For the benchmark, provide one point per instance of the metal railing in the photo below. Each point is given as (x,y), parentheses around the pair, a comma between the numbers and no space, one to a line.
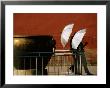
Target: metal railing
(47,63)
(42,63)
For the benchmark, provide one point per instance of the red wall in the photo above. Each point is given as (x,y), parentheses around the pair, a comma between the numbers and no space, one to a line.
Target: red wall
(53,24)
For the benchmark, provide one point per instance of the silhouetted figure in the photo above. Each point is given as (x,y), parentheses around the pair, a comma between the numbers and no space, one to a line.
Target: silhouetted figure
(77,55)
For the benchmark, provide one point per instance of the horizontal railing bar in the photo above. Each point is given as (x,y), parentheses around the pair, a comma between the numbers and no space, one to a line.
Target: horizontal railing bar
(56,51)
(62,50)
(56,54)
(43,54)
(46,56)
(38,52)
(63,54)
(60,54)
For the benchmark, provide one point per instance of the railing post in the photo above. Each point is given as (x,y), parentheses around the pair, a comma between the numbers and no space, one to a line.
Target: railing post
(80,58)
(42,65)
(36,65)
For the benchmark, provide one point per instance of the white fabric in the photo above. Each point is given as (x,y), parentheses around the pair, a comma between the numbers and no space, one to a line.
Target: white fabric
(66,34)
(78,38)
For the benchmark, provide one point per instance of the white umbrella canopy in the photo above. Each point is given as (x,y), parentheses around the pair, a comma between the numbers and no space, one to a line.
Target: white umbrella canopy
(66,34)
(78,38)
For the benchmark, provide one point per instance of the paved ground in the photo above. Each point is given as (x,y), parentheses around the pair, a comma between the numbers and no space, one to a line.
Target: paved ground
(65,70)
(56,70)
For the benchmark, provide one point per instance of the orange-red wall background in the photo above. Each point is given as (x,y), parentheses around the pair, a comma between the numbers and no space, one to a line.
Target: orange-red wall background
(53,24)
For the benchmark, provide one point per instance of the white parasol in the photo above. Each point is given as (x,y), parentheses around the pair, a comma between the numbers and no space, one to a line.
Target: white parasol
(78,38)
(66,34)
